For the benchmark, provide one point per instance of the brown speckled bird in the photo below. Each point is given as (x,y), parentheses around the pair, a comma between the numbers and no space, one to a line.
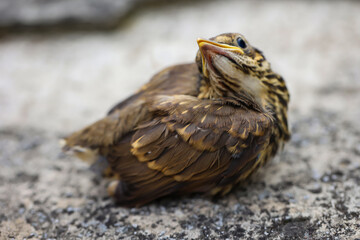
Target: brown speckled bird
(199,127)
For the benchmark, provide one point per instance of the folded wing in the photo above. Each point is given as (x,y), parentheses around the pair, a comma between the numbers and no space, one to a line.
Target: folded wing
(194,145)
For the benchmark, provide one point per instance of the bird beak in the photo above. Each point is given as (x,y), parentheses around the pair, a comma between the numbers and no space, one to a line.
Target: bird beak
(203,42)
(209,48)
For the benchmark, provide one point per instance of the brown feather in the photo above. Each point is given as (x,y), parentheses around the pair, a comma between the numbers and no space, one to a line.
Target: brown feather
(191,128)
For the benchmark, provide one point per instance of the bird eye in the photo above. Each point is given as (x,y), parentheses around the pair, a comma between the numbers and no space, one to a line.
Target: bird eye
(241,42)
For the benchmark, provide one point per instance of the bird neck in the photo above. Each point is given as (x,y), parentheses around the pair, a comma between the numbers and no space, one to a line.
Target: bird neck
(276,101)
(215,87)
(272,97)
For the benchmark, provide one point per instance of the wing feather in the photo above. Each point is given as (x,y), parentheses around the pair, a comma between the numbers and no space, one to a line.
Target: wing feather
(189,145)
(197,140)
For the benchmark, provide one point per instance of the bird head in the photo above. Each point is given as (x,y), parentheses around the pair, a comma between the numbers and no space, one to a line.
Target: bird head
(233,66)
(232,69)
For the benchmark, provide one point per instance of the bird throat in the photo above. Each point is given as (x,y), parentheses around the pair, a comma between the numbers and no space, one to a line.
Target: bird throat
(238,92)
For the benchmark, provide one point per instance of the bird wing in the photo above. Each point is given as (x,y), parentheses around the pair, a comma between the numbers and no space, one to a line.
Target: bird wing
(109,129)
(200,140)
(126,115)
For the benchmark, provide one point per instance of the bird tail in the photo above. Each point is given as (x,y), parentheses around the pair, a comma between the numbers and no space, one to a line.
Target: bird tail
(85,154)
(98,163)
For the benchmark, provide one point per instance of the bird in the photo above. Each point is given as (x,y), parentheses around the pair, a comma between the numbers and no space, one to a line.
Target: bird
(199,127)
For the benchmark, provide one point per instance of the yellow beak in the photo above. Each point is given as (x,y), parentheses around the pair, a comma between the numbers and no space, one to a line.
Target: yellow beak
(202,42)
(207,46)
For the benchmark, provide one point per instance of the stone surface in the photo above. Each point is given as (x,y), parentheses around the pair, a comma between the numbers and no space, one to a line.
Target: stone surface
(53,84)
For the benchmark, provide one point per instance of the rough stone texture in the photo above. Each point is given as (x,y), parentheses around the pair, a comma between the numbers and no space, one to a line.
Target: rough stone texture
(51,85)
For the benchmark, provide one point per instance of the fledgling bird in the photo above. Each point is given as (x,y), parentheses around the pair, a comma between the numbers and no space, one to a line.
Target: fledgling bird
(199,127)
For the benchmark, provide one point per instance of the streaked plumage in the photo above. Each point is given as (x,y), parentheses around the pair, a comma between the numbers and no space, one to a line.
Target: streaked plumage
(199,127)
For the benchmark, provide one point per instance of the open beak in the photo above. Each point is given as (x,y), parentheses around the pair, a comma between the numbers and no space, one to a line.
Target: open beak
(210,48)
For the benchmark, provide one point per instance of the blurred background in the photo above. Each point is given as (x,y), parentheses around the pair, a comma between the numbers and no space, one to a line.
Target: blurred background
(64,63)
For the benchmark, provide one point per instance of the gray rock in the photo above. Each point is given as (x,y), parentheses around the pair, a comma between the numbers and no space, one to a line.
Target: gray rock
(315,188)
(69,13)
(51,85)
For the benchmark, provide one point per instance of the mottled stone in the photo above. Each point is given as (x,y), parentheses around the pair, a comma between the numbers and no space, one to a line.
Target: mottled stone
(51,85)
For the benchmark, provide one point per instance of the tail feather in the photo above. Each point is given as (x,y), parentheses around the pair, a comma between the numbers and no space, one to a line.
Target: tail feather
(86,154)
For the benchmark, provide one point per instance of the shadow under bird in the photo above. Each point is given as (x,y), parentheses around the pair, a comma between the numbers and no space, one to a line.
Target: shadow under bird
(199,127)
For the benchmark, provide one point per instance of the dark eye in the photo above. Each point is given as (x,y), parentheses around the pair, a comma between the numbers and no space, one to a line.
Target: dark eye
(241,42)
